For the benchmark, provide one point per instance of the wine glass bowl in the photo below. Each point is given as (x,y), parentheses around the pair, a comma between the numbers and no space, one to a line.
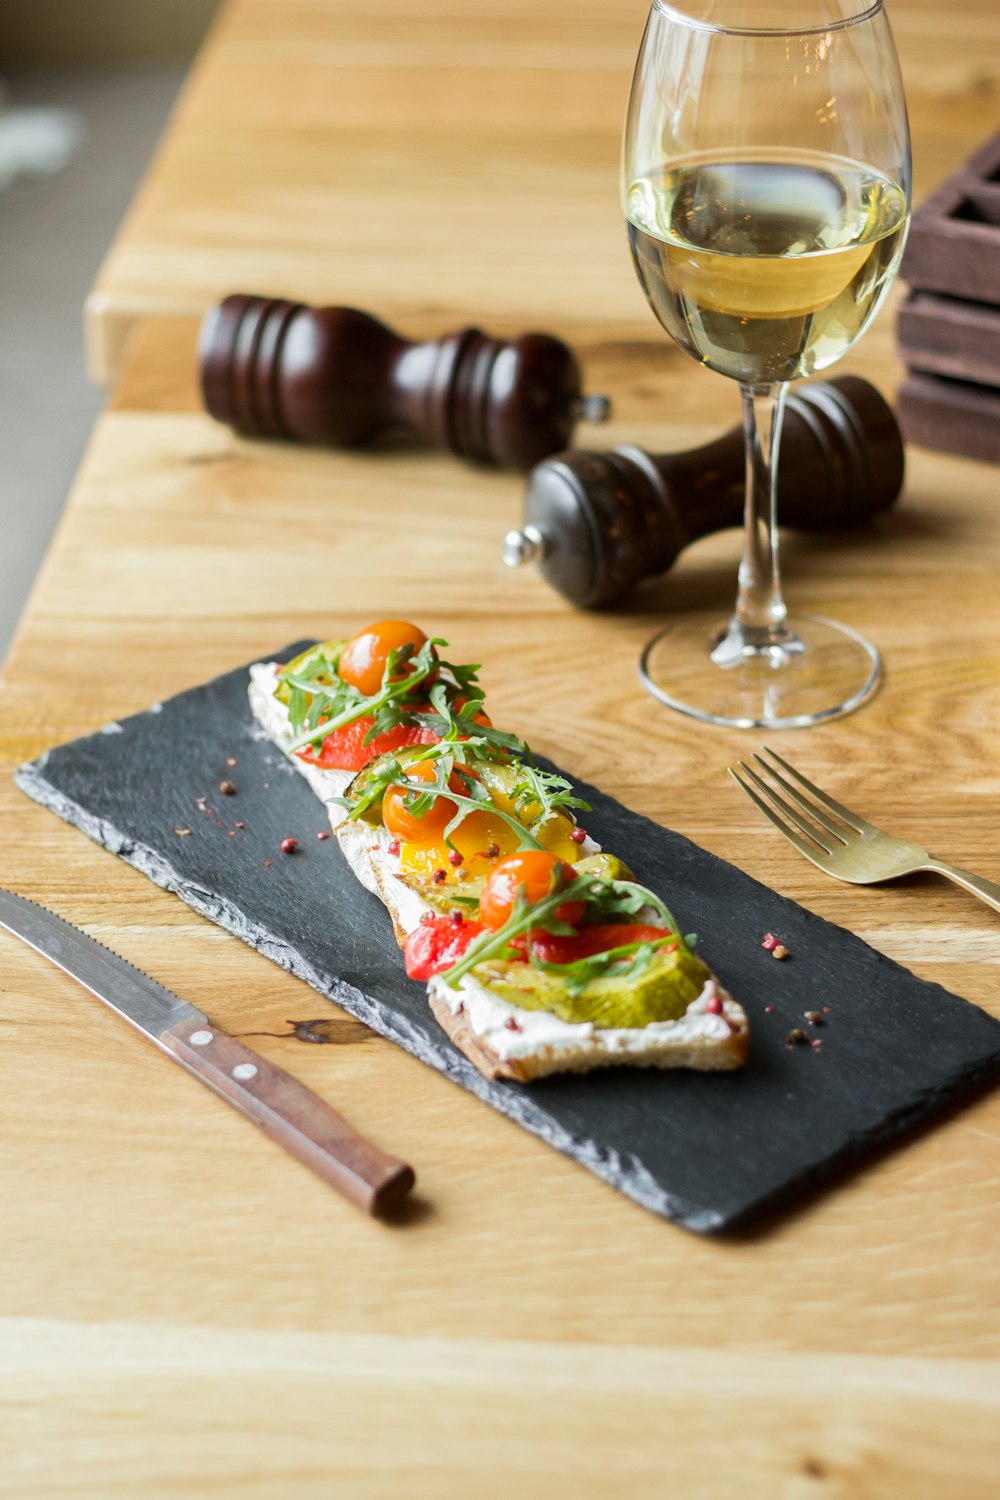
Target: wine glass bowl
(766,190)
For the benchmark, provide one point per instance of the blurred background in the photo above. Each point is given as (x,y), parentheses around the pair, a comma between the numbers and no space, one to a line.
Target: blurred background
(85,89)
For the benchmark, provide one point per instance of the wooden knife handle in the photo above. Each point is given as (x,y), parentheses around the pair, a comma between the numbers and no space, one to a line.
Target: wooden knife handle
(292,1114)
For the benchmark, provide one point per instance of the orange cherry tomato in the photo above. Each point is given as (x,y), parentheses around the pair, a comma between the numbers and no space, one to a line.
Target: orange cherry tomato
(404,824)
(530,873)
(363,659)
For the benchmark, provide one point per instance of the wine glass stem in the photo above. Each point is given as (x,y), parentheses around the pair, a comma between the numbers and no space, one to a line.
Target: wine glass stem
(759,624)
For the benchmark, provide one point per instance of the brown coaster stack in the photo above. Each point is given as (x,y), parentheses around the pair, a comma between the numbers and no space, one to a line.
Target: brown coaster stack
(949,330)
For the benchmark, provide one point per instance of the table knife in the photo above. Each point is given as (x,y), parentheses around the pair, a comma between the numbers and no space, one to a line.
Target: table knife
(289,1112)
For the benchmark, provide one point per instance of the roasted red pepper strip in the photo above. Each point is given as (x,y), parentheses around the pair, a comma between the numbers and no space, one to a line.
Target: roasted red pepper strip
(435,945)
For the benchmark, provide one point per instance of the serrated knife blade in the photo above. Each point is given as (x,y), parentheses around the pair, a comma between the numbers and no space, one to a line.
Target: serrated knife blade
(289,1112)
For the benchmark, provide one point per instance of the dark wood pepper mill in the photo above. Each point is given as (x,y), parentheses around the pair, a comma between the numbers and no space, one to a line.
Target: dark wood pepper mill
(599,523)
(337,376)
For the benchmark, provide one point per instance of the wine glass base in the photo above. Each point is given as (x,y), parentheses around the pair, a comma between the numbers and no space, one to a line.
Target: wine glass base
(823,671)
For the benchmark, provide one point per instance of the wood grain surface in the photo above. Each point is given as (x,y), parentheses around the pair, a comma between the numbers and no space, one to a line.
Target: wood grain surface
(443,160)
(185,1310)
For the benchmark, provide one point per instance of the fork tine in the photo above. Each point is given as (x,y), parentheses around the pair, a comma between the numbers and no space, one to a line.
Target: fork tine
(852,819)
(811,851)
(838,830)
(810,829)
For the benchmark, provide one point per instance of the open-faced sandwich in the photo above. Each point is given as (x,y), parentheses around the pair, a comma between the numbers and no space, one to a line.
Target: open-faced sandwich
(542,954)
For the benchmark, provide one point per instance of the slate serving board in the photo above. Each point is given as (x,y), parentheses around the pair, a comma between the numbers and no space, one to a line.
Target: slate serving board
(706,1150)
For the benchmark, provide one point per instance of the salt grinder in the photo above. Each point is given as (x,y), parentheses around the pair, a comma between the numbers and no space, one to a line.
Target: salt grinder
(337,376)
(599,523)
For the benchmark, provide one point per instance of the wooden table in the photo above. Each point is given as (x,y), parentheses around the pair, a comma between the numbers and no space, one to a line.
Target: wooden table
(185,1310)
(442,160)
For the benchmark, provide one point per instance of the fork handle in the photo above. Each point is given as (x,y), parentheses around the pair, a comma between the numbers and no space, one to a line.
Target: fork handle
(986,890)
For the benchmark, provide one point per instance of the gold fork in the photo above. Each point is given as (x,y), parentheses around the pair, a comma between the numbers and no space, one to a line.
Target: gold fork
(836,839)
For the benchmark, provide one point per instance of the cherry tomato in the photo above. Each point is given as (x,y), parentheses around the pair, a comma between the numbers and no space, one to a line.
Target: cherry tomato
(529,872)
(345,748)
(363,659)
(553,948)
(404,824)
(434,946)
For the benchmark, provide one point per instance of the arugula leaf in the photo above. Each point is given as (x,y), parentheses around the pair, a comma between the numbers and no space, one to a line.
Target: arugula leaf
(600,896)
(539,794)
(627,960)
(524,917)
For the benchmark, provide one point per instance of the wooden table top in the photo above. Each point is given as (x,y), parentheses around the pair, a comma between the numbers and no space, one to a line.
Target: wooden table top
(442,160)
(186,1310)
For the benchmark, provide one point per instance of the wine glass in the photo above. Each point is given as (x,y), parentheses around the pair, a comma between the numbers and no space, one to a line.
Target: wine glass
(766,187)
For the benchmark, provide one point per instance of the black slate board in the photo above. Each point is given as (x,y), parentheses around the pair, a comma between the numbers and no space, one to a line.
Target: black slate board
(706,1150)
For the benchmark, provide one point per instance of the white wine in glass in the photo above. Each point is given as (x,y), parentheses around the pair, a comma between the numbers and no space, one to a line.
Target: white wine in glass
(766,187)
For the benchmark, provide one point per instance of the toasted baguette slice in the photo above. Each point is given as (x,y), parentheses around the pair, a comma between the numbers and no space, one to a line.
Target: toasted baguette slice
(504,1041)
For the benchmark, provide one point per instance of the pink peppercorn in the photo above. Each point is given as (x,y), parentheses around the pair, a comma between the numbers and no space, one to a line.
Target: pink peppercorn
(512,1024)
(454,858)
(578,835)
(769,1010)
(714,1005)
(322,834)
(769,942)
(393,846)
(439,876)
(289,846)
(456,918)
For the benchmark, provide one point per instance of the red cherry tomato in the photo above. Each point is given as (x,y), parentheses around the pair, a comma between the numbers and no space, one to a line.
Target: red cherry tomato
(363,659)
(345,748)
(553,948)
(434,946)
(404,824)
(529,872)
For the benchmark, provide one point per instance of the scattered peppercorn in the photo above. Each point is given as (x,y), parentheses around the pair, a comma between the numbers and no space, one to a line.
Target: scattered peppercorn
(795,1037)
(769,942)
(814,1018)
(323,834)
(456,918)
(779,951)
(289,846)
(230,760)
(454,858)
(227,788)
(268,863)
(492,852)
(231,834)
(393,846)
(827,1009)
(511,1023)
(816,1044)
(439,876)
(182,833)
(240,823)
(714,1005)
(769,1010)
(578,835)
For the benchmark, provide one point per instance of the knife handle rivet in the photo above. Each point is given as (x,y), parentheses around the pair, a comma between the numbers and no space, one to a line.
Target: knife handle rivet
(244,1070)
(201,1038)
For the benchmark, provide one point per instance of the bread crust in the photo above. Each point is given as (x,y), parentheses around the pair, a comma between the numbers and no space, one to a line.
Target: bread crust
(704,1054)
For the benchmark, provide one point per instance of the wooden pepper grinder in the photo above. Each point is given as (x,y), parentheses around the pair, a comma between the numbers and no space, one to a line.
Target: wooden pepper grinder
(599,523)
(337,376)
